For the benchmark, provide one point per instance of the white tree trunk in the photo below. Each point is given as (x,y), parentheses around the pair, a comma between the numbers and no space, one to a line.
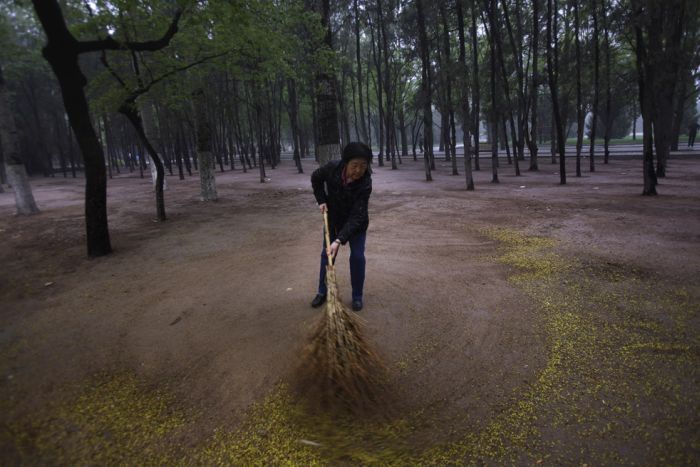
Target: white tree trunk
(151,129)
(154,174)
(327,152)
(16,174)
(24,199)
(207,165)
(207,175)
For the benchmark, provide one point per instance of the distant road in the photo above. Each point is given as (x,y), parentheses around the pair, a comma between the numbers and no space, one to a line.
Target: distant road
(620,151)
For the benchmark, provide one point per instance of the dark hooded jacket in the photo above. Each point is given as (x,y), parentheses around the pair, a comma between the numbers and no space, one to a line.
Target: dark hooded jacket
(347,205)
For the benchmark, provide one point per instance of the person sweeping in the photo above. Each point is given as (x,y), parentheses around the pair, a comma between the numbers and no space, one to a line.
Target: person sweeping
(342,189)
(340,368)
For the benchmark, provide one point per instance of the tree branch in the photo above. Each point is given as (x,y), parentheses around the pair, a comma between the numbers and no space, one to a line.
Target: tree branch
(146,88)
(103,59)
(111,44)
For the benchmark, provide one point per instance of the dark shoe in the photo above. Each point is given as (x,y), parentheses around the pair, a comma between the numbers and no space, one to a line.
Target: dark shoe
(356,305)
(318,301)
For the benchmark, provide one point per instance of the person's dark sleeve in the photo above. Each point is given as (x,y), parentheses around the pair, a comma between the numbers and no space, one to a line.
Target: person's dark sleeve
(358,215)
(318,180)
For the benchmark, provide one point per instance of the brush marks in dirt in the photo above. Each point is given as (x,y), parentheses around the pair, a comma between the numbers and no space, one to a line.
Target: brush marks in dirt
(581,352)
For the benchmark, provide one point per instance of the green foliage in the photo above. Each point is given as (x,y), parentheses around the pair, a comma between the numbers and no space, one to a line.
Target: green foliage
(252,41)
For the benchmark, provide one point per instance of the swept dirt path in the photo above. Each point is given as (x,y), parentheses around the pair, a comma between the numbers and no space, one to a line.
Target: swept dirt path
(507,317)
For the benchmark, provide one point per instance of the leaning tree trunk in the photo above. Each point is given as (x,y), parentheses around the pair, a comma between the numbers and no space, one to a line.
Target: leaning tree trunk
(328,138)
(61,51)
(153,140)
(14,167)
(129,110)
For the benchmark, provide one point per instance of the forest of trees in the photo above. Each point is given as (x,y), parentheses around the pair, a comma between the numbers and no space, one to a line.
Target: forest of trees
(188,88)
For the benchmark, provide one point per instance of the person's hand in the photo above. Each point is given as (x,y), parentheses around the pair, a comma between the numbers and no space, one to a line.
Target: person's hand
(323,207)
(333,249)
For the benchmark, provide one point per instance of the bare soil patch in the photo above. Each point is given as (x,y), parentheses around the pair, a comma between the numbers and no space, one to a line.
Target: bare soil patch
(212,306)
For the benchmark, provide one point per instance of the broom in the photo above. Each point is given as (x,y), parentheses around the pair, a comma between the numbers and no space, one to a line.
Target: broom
(341,369)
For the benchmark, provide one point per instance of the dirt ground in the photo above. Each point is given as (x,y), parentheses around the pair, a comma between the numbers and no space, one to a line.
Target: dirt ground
(523,322)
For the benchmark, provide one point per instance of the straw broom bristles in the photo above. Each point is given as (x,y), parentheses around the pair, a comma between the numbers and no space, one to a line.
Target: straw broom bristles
(340,368)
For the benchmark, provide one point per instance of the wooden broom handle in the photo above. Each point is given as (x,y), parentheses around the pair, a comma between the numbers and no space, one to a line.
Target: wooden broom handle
(328,236)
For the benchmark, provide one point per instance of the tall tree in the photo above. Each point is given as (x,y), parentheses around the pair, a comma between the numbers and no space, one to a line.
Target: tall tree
(579,98)
(204,148)
(608,84)
(534,87)
(363,125)
(645,77)
(496,36)
(658,45)
(62,51)
(328,137)
(464,98)
(426,95)
(476,111)
(14,167)
(390,127)
(596,84)
(552,72)
(666,38)
(448,77)
(490,6)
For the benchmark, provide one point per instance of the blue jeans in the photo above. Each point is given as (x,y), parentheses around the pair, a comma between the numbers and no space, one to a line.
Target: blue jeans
(357,266)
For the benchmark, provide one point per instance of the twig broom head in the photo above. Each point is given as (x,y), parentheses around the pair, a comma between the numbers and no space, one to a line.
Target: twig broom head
(340,370)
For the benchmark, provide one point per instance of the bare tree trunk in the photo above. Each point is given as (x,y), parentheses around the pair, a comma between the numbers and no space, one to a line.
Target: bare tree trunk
(464,98)
(476,112)
(328,142)
(608,92)
(519,138)
(363,125)
(491,7)
(645,77)
(532,142)
(390,127)
(376,55)
(129,110)
(61,52)
(147,118)
(552,71)
(404,136)
(596,84)
(680,100)
(496,35)
(450,133)
(344,120)
(425,92)
(294,122)
(207,166)
(579,104)
(14,168)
